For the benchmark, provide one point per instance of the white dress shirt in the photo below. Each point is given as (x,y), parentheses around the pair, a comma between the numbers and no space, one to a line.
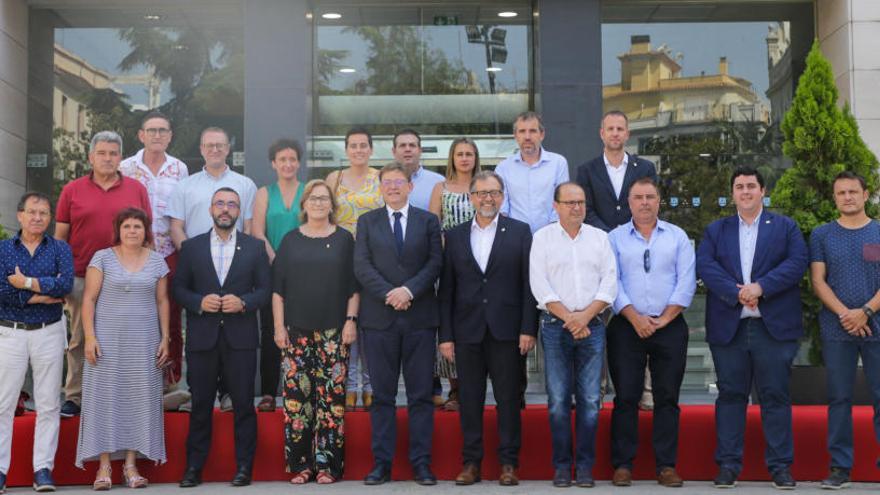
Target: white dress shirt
(574,272)
(616,174)
(748,242)
(405,211)
(222,253)
(482,240)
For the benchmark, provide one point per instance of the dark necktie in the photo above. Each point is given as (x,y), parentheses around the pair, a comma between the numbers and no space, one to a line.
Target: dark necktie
(398,232)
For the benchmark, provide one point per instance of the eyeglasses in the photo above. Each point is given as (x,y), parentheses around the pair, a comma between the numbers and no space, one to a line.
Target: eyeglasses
(495,193)
(161,131)
(394,182)
(232,205)
(215,146)
(318,199)
(646,260)
(572,204)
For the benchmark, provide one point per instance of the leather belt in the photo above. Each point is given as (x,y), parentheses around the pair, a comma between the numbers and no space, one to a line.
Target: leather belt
(17,325)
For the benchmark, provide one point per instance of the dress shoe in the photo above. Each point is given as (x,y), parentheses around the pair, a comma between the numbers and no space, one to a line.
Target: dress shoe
(69,409)
(172,401)
(783,480)
(669,478)
(622,477)
(562,478)
(350,400)
(192,477)
(584,478)
(726,478)
(378,475)
(242,477)
(367,399)
(508,475)
(469,474)
(422,475)
(43,481)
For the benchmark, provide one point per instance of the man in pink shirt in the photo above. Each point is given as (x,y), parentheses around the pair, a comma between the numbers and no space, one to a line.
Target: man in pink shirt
(86,209)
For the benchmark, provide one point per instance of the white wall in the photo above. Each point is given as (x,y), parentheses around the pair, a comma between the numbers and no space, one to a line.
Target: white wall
(849,32)
(13,106)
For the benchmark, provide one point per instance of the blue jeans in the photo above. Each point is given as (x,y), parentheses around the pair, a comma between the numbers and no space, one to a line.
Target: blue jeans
(753,354)
(841,358)
(572,366)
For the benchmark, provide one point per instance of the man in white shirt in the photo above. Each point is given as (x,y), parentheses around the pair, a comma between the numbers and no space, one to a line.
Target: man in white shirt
(160,173)
(573,275)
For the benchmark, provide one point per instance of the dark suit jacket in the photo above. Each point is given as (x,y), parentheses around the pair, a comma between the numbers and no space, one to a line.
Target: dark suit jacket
(605,210)
(379,269)
(248,278)
(500,299)
(780,261)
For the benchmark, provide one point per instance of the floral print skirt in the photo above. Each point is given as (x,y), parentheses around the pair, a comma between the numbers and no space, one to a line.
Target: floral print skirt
(314,401)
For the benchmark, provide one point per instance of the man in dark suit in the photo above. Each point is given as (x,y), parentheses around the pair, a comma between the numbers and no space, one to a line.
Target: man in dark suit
(488,319)
(222,279)
(752,263)
(397,260)
(606,179)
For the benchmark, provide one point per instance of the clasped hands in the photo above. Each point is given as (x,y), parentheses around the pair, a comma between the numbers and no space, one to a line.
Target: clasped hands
(749,294)
(230,303)
(578,323)
(855,322)
(526,344)
(645,325)
(399,299)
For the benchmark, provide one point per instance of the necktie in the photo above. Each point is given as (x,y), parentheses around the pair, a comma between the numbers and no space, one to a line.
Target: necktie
(398,232)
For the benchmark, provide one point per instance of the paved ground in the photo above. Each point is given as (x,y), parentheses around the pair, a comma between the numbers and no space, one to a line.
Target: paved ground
(484,488)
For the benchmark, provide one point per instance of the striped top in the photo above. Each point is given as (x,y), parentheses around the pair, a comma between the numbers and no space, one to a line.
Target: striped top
(351,204)
(455,208)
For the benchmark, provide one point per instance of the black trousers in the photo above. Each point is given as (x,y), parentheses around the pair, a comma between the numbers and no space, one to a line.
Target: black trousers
(501,361)
(236,368)
(627,356)
(389,351)
(270,354)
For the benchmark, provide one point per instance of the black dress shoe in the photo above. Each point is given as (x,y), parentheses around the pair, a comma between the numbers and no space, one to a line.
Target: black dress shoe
(191,478)
(422,475)
(378,475)
(242,477)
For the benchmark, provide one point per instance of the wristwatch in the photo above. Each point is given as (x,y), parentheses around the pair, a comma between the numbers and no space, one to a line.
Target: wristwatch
(351,318)
(28,283)
(868,311)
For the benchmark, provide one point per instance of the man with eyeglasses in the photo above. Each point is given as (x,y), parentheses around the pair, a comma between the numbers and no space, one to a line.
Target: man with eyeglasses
(222,279)
(488,319)
(37,274)
(84,219)
(160,173)
(752,264)
(397,259)
(656,282)
(573,276)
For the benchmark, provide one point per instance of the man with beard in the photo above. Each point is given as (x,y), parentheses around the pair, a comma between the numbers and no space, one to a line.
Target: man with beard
(222,279)
(488,320)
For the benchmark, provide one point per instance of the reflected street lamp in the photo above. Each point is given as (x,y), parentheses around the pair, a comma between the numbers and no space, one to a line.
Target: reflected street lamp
(494,39)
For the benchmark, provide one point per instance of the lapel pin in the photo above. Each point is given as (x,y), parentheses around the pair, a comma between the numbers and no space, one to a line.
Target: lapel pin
(328,245)
(767,221)
(238,248)
(503,229)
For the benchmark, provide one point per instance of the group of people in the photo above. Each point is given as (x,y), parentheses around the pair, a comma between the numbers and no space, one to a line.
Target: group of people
(336,282)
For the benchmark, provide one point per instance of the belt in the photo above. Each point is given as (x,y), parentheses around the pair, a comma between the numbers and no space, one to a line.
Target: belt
(595,321)
(17,325)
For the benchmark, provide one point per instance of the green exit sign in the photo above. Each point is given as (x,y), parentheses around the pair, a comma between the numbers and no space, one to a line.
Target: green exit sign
(445,20)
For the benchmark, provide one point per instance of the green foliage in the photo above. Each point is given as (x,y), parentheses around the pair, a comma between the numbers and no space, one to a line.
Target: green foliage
(822,140)
(3,233)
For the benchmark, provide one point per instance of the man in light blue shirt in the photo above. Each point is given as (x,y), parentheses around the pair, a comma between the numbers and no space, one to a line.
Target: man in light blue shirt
(531,175)
(656,282)
(407,150)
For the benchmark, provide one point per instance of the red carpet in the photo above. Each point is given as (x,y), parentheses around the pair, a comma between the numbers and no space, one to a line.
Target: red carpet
(696,446)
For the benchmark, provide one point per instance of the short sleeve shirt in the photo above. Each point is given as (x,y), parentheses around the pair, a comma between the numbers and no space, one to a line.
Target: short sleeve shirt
(191,200)
(850,270)
(90,211)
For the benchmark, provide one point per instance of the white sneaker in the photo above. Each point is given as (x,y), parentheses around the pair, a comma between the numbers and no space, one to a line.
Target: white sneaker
(174,399)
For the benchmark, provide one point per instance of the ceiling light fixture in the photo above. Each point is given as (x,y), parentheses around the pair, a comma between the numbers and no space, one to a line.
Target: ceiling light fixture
(152,17)
(507,14)
(347,70)
(493,69)
(331,15)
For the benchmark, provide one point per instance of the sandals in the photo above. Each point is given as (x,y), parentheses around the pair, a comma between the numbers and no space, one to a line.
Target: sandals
(132,478)
(103,483)
(325,478)
(267,404)
(302,477)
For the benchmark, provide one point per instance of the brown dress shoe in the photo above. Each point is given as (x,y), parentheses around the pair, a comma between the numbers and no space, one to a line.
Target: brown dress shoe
(668,477)
(508,476)
(469,475)
(622,477)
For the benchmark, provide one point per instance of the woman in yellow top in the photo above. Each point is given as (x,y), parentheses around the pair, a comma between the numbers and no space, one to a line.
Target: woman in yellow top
(356,189)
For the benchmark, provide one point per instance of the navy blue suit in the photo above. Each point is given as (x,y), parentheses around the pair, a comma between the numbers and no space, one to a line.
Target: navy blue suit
(484,314)
(395,339)
(753,348)
(222,344)
(605,210)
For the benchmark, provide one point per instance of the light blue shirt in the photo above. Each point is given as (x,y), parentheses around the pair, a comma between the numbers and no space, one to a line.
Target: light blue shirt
(671,279)
(191,200)
(528,189)
(748,240)
(423,182)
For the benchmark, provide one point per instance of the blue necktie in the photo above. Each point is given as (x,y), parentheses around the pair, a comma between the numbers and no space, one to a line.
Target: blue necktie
(398,232)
